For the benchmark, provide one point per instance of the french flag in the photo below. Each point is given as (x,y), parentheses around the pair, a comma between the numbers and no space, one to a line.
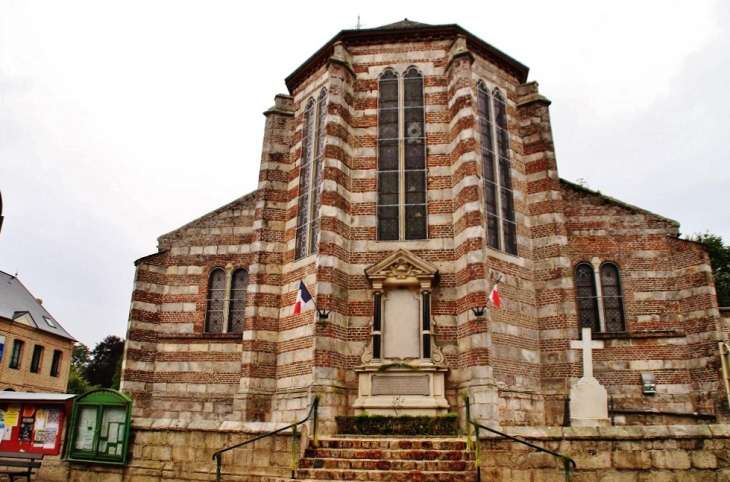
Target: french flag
(494,297)
(303,297)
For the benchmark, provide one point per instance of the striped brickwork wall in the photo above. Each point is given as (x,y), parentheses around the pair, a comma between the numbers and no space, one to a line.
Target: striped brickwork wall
(172,368)
(672,318)
(515,363)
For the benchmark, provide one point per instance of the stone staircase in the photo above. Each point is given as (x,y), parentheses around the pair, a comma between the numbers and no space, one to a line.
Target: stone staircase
(433,459)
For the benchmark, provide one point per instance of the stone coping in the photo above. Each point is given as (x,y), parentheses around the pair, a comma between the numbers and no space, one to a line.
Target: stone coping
(624,432)
(207,425)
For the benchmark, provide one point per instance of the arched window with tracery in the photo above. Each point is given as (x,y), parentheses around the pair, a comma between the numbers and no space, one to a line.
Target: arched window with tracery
(599,296)
(585,286)
(496,170)
(310,175)
(402,206)
(226,302)
(216,301)
(613,303)
(237,309)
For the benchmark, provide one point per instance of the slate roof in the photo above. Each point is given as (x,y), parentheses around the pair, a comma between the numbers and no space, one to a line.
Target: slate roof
(405,23)
(16,300)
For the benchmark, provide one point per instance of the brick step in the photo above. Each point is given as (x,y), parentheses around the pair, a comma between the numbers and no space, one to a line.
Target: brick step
(309,475)
(375,459)
(385,454)
(391,464)
(393,443)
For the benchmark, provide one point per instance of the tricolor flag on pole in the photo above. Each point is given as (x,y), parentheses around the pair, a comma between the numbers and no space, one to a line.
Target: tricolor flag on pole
(494,296)
(303,297)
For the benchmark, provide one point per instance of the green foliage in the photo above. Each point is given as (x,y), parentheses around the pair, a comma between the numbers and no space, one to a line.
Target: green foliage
(720,259)
(365,424)
(104,359)
(80,357)
(98,368)
(77,384)
(117,378)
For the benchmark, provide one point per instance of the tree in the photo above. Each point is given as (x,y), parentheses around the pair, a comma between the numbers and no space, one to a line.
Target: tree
(80,359)
(77,384)
(105,357)
(720,259)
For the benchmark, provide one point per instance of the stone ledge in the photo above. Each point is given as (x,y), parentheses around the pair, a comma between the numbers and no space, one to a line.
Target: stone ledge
(167,424)
(625,432)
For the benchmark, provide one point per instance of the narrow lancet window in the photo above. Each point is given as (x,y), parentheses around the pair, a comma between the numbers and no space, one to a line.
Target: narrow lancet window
(402,206)
(496,170)
(310,176)
(237,306)
(585,284)
(216,301)
(613,305)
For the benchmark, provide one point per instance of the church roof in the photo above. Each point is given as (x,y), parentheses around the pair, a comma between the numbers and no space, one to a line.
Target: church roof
(618,202)
(16,301)
(404,30)
(405,23)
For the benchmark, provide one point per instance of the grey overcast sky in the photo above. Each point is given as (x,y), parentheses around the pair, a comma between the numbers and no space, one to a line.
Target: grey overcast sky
(121,121)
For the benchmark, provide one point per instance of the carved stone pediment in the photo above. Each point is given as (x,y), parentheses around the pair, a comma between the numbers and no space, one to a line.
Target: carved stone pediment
(402,268)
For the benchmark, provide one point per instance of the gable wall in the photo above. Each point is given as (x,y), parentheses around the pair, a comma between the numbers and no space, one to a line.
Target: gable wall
(672,321)
(172,369)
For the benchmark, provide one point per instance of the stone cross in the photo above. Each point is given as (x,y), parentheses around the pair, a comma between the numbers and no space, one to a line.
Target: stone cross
(587,345)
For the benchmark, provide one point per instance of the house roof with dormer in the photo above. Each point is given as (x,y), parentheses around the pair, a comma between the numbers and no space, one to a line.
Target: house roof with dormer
(17,303)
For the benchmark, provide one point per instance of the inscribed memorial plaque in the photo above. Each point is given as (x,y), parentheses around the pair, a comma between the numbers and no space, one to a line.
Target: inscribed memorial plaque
(405,385)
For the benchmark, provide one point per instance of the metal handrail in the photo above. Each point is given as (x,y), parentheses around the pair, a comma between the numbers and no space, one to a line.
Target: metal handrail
(567,461)
(313,410)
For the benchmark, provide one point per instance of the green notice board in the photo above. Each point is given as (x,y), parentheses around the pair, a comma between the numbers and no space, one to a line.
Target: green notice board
(99,430)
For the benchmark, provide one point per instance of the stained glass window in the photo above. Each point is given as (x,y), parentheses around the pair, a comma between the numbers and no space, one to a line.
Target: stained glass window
(611,299)
(613,308)
(402,206)
(216,301)
(310,176)
(496,170)
(237,307)
(585,283)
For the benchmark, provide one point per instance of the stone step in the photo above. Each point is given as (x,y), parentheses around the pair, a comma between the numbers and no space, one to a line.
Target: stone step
(375,459)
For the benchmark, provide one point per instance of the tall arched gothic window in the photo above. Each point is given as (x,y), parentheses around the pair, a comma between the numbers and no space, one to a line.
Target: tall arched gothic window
(310,176)
(402,207)
(216,301)
(237,308)
(496,170)
(226,305)
(599,296)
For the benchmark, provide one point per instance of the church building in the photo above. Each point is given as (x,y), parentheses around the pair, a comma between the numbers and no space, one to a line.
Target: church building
(409,183)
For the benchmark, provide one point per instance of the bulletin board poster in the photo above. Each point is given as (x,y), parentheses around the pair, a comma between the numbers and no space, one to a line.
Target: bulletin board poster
(31,427)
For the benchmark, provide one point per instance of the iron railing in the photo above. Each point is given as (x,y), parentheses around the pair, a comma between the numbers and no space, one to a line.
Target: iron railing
(293,466)
(567,461)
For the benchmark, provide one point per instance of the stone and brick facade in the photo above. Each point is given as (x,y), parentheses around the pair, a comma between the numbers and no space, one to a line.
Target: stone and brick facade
(515,363)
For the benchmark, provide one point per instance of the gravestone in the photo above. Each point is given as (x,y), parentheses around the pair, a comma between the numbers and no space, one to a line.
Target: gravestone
(588,398)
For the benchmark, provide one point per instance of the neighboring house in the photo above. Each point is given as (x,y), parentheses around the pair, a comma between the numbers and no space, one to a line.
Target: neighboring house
(36,356)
